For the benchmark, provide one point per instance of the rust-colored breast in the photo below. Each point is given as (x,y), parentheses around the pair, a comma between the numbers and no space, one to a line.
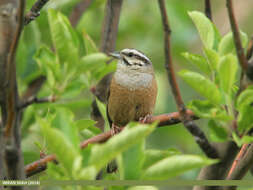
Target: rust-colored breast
(125,105)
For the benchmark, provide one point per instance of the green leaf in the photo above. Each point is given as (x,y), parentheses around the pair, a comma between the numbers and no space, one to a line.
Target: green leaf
(245,98)
(84,124)
(59,144)
(245,118)
(90,46)
(212,57)
(132,134)
(226,44)
(204,27)
(204,109)
(217,132)
(92,62)
(64,38)
(174,166)
(64,121)
(152,156)
(132,161)
(227,72)
(202,85)
(198,61)
(244,140)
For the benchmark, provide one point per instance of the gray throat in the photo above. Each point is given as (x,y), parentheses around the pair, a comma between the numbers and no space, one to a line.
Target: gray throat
(133,79)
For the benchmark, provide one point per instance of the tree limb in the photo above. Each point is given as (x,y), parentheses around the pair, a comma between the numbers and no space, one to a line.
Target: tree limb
(110,25)
(35,11)
(35,100)
(234,27)
(198,134)
(208,9)
(242,166)
(11,24)
(78,11)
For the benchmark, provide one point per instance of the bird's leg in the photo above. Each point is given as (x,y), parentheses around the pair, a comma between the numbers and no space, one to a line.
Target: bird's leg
(145,119)
(115,129)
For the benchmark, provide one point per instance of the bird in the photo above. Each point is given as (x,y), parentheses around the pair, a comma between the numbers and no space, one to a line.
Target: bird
(133,89)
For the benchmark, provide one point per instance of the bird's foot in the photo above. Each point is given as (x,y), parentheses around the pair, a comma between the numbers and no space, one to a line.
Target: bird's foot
(146,119)
(115,129)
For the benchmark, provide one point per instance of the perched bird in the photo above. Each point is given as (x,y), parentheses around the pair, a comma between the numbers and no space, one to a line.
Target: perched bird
(133,89)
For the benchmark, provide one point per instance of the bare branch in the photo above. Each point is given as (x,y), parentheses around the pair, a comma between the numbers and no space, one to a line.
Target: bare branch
(11,21)
(244,164)
(35,11)
(33,87)
(78,11)
(237,159)
(198,134)
(208,9)
(39,165)
(110,26)
(234,27)
(164,120)
(35,100)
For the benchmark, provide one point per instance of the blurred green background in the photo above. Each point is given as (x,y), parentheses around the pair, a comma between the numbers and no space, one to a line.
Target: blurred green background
(140,28)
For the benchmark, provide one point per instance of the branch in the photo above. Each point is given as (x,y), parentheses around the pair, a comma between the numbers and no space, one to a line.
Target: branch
(208,10)
(164,120)
(11,21)
(237,159)
(199,136)
(234,27)
(110,25)
(35,100)
(78,11)
(34,87)
(35,11)
(250,49)
(245,162)
(39,165)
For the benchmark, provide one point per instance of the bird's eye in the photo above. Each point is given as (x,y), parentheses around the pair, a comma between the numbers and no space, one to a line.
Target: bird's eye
(130,54)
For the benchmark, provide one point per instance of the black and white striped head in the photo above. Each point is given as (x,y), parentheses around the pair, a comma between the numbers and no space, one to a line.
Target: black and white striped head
(132,59)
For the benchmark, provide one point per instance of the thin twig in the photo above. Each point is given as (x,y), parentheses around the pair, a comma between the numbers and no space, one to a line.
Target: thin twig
(237,159)
(34,87)
(35,11)
(164,120)
(78,11)
(35,100)
(110,25)
(208,9)
(198,134)
(250,49)
(234,27)
(243,165)
(39,165)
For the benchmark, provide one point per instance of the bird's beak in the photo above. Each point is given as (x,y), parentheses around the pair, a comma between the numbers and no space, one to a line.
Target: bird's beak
(115,55)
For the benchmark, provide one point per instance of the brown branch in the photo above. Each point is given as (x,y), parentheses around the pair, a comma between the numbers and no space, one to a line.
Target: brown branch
(11,21)
(208,9)
(198,134)
(250,49)
(110,25)
(237,159)
(34,87)
(243,165)
(234,27)
(164,120)
(35,100)
(39,165)
(35,11)
(78,11)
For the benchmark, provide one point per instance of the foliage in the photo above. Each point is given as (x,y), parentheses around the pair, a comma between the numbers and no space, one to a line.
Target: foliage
(219,84)
(71,62)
